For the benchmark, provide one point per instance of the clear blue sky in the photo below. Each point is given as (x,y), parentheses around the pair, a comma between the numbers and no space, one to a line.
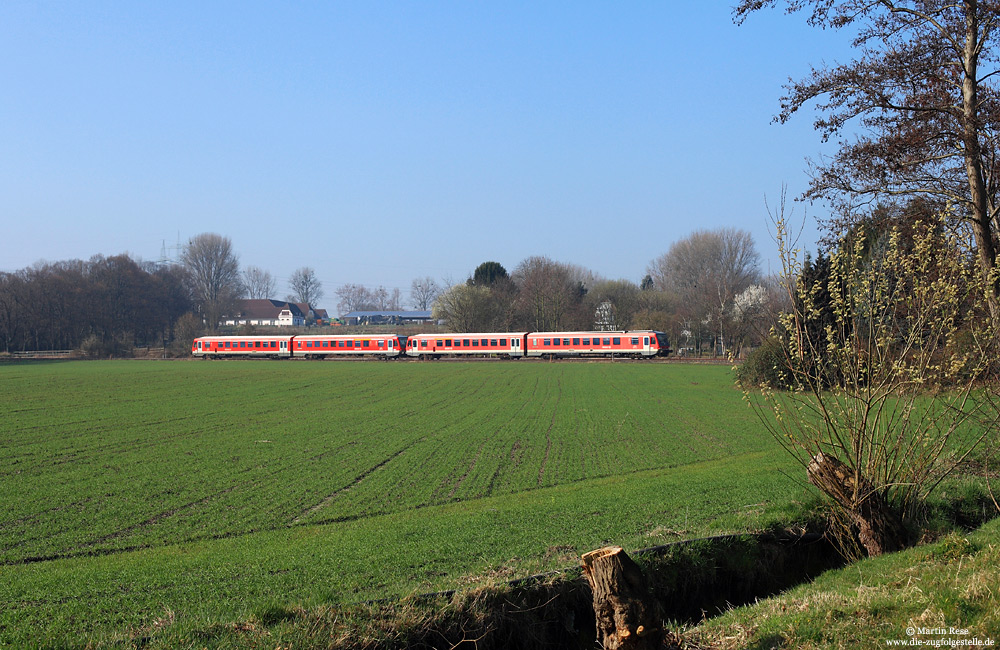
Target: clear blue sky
(382,141)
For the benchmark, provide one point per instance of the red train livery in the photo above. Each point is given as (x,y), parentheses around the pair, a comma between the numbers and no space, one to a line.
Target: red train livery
(637,344)
(512,345)
(307,346)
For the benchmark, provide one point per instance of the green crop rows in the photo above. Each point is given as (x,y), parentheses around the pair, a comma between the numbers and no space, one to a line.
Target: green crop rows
(206,488)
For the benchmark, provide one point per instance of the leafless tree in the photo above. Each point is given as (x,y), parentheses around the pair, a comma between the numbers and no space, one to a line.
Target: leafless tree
(423,292)
(353,297)
(114,303)
(616,300)
(550,295)
(923,94)
(306,287)
(394,300)
(259,284)
(214,273)
(706,271)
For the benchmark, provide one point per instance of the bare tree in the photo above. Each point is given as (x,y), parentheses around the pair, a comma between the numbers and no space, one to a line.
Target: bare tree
(306,287)
(423,292)
(394,301)
(259,284)
(616,302)
(924,92)
(214,272)
(706,272)
(353,297)
(550,295)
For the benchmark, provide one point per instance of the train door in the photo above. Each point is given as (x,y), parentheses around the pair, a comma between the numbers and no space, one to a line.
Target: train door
(283,346)
(646,350)
(515,346)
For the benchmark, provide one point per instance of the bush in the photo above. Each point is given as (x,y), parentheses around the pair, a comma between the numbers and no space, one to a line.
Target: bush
(765,365)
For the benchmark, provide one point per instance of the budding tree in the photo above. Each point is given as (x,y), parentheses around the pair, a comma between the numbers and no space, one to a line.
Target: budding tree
(884,400)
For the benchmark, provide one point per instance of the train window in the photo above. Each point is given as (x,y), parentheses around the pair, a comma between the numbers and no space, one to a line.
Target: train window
(256,344)
(576,341)
(547,342)
(566,342)
(635,340)
(617,340)
(555,341)
(350,344)
(447,343)
(340,344)
(475,343)
(465,343)
(423,344)
(243,344)
(484,342)
(586,341)
(366,342)
(607,341)
(503,343)
(309,344)
(381,343)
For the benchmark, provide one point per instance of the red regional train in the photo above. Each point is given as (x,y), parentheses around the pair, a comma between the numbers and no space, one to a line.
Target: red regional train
(638,344)
(513,345)
(307,346)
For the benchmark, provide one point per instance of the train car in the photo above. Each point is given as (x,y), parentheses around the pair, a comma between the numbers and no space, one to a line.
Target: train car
(217,347)
(320,346)
(502,344)
(637,344)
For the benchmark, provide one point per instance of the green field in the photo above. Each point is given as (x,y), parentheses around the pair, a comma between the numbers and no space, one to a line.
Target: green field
(205,492)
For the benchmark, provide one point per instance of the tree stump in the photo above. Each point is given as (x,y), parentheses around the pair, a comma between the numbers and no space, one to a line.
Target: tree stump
(627,616)
(880,529)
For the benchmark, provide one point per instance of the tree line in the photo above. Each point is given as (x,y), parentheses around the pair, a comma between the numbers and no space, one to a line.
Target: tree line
(105,305)
(706,292)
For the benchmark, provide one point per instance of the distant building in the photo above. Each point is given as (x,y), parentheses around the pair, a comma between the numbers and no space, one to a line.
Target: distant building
(386,317)
(272,313)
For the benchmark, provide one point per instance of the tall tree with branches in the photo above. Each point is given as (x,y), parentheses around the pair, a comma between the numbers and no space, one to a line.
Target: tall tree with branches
(214,274)
(259,284)
(306,286)
(923,96)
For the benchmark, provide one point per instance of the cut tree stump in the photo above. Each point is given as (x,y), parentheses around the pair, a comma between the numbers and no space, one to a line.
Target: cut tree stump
(880,529)
(627,616)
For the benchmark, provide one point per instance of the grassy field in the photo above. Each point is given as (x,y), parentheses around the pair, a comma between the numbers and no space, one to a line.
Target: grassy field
(199,492)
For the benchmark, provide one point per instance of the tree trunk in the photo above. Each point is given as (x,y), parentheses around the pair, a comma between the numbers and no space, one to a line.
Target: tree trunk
(880,528)
(982,219)
(627,617)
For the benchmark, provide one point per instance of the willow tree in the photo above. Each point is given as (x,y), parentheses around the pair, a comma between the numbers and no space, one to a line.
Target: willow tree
(885,355)
(921,100)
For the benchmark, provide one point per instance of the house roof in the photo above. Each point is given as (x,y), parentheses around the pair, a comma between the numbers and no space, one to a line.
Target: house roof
(267,309)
